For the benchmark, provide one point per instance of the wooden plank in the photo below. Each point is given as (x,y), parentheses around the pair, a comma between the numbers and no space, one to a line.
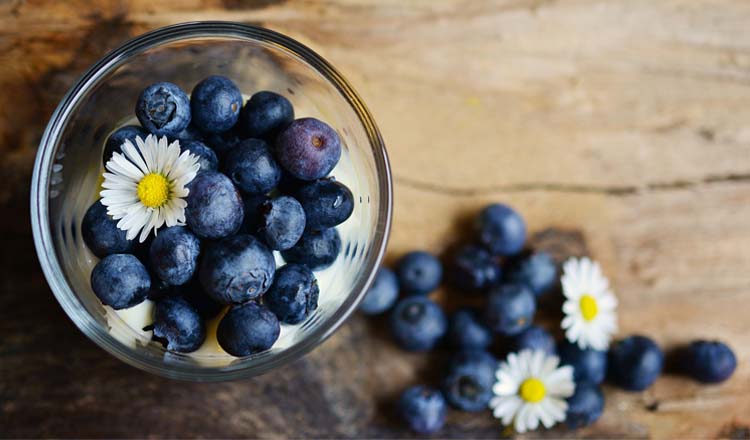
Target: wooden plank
(619,129)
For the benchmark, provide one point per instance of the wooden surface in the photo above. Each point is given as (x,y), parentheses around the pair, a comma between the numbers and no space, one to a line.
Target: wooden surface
(620,129)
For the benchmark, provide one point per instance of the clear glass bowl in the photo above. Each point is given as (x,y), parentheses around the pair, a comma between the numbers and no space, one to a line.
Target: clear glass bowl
(68,166)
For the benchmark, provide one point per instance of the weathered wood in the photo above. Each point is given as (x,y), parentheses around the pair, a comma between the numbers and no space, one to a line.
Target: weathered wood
(619,128)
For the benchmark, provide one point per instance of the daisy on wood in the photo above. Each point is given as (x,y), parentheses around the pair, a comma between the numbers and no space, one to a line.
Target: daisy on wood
(590,306)
(531,388)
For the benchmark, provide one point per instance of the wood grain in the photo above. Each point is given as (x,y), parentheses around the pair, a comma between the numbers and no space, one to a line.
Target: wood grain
(618,128)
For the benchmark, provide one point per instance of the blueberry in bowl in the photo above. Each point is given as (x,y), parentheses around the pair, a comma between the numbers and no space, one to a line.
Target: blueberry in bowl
(265,114)
(163,109)
(160,72)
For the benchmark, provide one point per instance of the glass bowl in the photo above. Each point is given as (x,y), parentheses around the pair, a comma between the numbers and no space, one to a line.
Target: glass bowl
(68,166)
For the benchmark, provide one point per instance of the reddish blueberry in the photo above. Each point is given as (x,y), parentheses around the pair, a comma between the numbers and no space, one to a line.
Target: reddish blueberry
(308,148)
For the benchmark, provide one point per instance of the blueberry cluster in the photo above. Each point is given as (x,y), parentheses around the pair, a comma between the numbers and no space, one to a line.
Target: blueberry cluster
(510,278)
(263,186)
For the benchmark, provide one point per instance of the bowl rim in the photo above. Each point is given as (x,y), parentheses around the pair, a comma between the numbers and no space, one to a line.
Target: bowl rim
(42,172)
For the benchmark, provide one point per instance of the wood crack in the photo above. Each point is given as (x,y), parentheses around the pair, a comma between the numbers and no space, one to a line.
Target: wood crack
(571,188)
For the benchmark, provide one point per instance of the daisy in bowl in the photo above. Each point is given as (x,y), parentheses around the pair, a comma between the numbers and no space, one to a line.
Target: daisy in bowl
(531,388)
(590,306)
(145,186)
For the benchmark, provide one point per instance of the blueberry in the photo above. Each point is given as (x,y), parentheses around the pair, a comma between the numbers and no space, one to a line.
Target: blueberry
(635,363)
(308,148)
(190,133)
(178,325)
(289,184)
(588,365)
(265,114)
(193,293)
(248,329)
(585,406)
(467,331)
(417,324)
(214,207)
(327,203)
(293,294)
(316,249)
(538,271)
(174,255)
(535,338)
(709,361)
(221,143)
(510,309)
(423,409)
(480,358)
(419,273)
(237,269)
(281,223)
(101,234)
(501,229)
(120,281)
(163,109)
(215,104)
(206,157)
(382,294)
(118,137)
(474,268)
(468,384)
(252,168)
(251,205)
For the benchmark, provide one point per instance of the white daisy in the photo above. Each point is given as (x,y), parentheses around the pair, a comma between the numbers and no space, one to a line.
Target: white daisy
(144,188)
(531,387)
(590,306)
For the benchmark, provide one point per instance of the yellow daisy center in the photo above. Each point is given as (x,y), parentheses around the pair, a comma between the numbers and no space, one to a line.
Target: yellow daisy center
(153,190)
(589,308)
(533,390)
